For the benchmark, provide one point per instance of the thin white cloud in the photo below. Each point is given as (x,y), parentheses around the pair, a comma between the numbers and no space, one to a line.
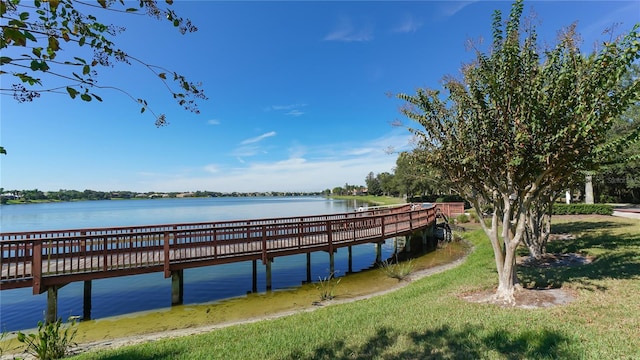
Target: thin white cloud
(361,151)
(290,109)
(245,151)
(213,122)
(297,151)
(345,31)
(211,168)
(303,168)
(295,113)
(285,107)
(453,7)
(409,25)
(258,138)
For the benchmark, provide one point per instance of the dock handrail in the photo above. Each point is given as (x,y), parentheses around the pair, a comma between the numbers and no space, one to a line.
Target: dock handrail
(40,259)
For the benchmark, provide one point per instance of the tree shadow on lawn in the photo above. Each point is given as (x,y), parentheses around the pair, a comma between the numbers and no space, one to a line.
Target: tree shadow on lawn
(446,343)
(616,256)
(133,352)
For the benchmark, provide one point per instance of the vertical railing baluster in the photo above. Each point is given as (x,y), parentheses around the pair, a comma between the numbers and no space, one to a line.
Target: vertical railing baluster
(264,249)
(167,270)
(105,254)
(330,236)
(36,265)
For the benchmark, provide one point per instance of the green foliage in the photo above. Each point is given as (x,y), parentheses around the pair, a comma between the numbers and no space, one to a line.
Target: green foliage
(473,215)
(582,209)
(521,122)
(619,178)
(462,218)
(52,341)
(3,335)
(326,287)
(413,176)
(45,45)
(397,270)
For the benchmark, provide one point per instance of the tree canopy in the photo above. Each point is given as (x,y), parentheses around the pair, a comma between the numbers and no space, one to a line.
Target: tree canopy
(59,46)
(521,122)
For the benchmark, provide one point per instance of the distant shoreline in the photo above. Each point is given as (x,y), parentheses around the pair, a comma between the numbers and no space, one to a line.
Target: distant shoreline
(169,196)
(373,200)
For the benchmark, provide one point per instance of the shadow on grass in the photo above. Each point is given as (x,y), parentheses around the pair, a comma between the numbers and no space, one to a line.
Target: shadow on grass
(616,256)
(446,343)
(575,227)
(129,353)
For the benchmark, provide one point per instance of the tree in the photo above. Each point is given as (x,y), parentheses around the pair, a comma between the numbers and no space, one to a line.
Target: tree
(56,46)
(414,175)
(520,121)
(387,183)
(619,178)
(373,184)
(405,174)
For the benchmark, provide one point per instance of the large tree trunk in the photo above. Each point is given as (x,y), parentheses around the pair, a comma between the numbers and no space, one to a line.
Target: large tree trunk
(538,229)
(505,245)
(588,189)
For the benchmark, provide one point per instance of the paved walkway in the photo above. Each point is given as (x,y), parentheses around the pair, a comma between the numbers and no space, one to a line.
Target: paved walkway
(631,211)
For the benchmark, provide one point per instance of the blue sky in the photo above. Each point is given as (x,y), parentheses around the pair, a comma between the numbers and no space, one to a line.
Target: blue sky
(298,94)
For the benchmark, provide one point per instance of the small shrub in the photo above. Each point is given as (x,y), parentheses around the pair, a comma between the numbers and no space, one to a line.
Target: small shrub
(582,209)
(397,270)
(326,286)
(462,219)
(52,341)
(473,216)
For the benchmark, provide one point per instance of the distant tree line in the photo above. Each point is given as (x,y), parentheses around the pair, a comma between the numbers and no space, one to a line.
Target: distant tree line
(35,195)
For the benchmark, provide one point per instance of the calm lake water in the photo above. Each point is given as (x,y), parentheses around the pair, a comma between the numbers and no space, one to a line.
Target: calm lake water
(19,309)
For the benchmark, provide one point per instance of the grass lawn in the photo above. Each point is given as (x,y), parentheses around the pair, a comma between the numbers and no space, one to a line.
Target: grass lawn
(428,320)
(371,199)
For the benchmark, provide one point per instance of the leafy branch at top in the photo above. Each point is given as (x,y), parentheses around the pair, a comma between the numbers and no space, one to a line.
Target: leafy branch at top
(38,32)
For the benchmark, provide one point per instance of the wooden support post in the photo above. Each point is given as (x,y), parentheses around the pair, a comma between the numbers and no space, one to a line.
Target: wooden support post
(177,287)
(268,270)
(86,305)
(308,268)
(254,280)
(378,253)
(424,236)
(52,305)
(407,243)
(332,265)
(350,259)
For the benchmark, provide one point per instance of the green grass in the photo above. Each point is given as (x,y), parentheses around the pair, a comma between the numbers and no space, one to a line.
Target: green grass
(428,320)
(373,200)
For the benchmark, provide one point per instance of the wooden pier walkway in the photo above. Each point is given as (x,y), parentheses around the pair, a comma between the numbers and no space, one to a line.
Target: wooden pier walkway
(47,260)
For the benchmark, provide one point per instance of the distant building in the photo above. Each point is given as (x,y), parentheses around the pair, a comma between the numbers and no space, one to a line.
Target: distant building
(10,196)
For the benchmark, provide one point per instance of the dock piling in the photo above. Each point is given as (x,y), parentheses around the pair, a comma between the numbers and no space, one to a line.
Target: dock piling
(177,287)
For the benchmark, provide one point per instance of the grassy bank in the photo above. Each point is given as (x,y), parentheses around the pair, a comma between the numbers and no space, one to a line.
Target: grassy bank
(428,319)
(372,200)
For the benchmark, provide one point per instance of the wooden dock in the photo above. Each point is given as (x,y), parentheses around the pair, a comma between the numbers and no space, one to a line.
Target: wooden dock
(47,260)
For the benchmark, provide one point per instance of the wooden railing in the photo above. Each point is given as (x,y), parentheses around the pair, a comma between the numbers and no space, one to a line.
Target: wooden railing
(41,259)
